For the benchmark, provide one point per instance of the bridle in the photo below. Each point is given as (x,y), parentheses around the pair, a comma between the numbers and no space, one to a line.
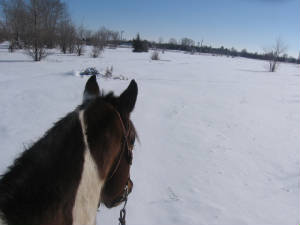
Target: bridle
(124,145)
(127,148)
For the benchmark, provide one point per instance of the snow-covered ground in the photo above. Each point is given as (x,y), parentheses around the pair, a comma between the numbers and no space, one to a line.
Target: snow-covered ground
(220,137)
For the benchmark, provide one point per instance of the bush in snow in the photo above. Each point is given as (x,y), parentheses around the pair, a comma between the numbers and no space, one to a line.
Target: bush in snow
(274,54)
(90,71)
(36,52)
(96,51)
(98,41)
(155,55)
(108,72)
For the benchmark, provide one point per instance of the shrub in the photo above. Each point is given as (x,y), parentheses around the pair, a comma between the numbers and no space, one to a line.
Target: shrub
(96,51)
(108,72)
(90,71)
(37,53)
(155,55)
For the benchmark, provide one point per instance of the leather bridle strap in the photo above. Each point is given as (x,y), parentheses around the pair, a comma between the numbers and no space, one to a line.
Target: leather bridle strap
(123,142)
(125,132)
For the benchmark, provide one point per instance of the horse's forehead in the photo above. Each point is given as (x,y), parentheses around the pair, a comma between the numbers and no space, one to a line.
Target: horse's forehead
(94,107)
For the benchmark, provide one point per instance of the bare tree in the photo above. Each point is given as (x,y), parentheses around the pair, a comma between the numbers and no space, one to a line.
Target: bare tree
(66,35)
(81,34)
(188,44)
(72,39)
(273,54)
(115,38)
(3,32)
(104,34)
(160,42)
(14,13)
(98,41)
(36,32)
(54,12)
(173,41)
(107,37)
(121,34)
(33,23)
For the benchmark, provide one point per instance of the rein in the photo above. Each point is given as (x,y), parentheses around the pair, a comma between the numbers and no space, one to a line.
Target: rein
(122,218)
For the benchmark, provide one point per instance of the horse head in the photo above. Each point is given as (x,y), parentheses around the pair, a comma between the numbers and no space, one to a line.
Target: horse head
(112,145)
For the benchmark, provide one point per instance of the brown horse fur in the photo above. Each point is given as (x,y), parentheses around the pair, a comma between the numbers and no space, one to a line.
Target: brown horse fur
(41,187)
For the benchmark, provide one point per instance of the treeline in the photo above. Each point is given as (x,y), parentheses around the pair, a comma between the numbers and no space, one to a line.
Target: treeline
(188,45)
(38,25)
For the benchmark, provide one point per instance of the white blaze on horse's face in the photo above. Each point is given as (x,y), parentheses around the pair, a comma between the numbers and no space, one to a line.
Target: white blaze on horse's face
(88,193)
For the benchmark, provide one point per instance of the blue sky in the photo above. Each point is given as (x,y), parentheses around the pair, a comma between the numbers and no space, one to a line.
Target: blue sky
(250,24)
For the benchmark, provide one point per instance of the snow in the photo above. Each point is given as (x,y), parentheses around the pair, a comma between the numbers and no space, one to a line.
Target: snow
(219,136)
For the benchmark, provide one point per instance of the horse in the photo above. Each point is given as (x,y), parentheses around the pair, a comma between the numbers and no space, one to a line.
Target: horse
(81,162)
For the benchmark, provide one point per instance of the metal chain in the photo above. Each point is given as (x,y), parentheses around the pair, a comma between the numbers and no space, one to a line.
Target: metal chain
(122,218)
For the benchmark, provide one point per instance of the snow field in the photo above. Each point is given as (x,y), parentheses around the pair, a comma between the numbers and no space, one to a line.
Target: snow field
(219,136)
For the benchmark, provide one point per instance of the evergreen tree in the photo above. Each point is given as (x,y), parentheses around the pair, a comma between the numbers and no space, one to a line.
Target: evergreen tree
(139,45)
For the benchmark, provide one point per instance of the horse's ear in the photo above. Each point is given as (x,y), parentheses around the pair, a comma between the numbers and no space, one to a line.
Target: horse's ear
(91,89)
(128,97)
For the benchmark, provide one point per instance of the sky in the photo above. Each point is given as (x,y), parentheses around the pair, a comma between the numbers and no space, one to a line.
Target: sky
(251,24)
